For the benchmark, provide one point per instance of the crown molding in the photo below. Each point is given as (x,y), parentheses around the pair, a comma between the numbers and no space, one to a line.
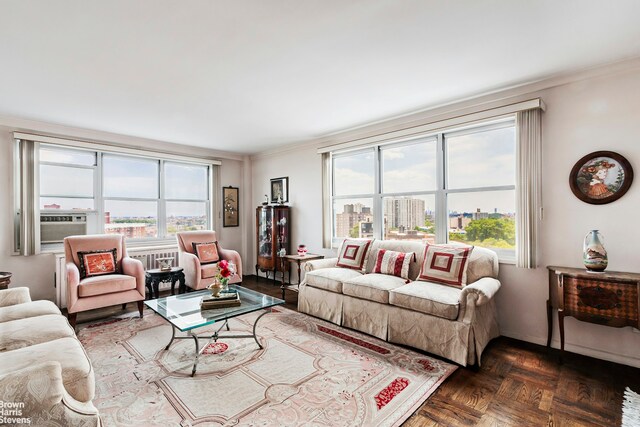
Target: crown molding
(54,130)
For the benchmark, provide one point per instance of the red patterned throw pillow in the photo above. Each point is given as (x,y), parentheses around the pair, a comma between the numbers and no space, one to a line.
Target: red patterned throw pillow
(97,263)
(446,265)
(393,263)
(353,253)
(206,252)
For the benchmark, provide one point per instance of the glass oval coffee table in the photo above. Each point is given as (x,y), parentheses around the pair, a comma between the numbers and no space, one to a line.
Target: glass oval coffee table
(184,314)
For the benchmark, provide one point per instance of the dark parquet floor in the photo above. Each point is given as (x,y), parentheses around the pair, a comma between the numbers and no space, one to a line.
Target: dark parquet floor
(519,384)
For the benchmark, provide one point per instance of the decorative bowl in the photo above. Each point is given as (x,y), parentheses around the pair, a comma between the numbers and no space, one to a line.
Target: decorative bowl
(165,263)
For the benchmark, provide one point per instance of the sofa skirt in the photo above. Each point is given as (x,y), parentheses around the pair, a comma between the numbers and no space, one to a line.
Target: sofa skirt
(455,340)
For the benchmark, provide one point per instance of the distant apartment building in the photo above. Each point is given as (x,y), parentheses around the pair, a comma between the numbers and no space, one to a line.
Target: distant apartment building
(129,230)
(404,213)
(353,214)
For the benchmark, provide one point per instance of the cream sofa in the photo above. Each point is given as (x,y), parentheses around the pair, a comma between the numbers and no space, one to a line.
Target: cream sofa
(42,363)
(456,324)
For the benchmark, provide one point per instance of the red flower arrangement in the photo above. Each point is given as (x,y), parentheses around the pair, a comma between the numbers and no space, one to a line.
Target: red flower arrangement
(226,269)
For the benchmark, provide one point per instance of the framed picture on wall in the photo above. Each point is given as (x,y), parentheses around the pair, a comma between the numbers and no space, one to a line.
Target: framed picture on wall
(601,177)
(230,204)
(280,190)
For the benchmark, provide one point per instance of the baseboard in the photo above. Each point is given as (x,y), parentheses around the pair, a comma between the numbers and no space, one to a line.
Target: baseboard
(624,359)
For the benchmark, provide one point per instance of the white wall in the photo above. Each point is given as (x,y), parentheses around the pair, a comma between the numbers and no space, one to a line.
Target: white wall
(37,272)
(599,113)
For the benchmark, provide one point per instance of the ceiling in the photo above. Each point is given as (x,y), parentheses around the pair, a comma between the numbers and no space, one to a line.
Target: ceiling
(245,76)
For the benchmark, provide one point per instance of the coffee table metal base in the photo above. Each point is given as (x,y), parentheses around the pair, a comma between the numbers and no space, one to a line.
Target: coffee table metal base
(212,338)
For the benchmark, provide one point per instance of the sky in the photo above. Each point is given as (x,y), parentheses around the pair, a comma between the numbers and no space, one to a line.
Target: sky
(123,176)
(481,159)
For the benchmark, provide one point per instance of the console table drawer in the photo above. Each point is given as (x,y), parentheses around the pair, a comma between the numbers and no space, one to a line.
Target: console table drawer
(599,301)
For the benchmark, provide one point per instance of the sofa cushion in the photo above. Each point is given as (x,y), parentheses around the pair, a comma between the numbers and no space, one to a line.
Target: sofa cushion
(208,270)
(405,246)
(353,254)
(27,309)
(33,330)
(392,262)
(446,264)
(330,279)
(77,374)
(100,285)
(429,298)
(372,287)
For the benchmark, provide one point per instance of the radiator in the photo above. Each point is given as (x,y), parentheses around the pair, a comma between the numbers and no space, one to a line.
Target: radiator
(147,256)
(149,259)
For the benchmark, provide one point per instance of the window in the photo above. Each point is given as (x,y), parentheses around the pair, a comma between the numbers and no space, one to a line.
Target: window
(140,197)
(451,186)
(67,179)
(353,189)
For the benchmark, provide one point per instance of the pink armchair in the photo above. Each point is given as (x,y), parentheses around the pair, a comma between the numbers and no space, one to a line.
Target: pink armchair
(102,291)
(198,276)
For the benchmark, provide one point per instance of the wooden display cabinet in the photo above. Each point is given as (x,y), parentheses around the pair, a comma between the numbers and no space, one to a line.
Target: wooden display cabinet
(272,235)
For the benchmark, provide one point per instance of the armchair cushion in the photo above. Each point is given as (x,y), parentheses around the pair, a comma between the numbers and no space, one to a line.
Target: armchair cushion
(14,296)
(330,279)
(207,252)
(208,270)
(33,330)
(97,263)
(77,373)
(430,298)
(27,309)
(100,285)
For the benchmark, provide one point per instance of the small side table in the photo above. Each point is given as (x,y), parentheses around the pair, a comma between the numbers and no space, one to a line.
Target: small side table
(5,279)
(154,277)
(298,259)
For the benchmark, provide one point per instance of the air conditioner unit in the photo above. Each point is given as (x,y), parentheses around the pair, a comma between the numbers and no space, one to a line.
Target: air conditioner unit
(55,226)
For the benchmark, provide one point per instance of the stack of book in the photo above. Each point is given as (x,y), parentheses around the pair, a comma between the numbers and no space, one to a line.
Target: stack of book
(223,300)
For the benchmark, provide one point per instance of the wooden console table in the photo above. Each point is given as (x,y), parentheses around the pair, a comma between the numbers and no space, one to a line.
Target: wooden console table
(608,298)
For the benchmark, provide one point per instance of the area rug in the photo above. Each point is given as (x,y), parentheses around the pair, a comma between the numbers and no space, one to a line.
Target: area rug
(310,373)
(631,409)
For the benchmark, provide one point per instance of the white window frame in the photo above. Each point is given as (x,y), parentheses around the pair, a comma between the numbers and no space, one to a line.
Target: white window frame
(441,192)
(99,198)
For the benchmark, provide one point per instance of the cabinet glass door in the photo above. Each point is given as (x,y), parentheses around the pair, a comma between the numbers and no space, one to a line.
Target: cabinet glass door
(264,233)
(282,219)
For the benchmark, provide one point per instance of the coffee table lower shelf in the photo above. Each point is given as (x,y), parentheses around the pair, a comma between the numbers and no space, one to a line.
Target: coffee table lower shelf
(184,314)
(212,338)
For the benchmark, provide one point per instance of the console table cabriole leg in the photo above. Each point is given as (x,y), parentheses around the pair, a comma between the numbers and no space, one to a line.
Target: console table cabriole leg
(561,326)
(197,358)
(549,323)
(173,337)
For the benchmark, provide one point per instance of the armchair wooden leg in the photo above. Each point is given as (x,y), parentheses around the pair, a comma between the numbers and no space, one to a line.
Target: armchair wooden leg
(72,319)
(140,307)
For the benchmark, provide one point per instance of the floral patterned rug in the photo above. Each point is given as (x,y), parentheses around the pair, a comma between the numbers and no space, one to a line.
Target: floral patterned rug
(309,373)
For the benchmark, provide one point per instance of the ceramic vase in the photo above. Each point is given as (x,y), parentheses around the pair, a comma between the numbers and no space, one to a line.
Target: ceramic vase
(302,250)
(594,254)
